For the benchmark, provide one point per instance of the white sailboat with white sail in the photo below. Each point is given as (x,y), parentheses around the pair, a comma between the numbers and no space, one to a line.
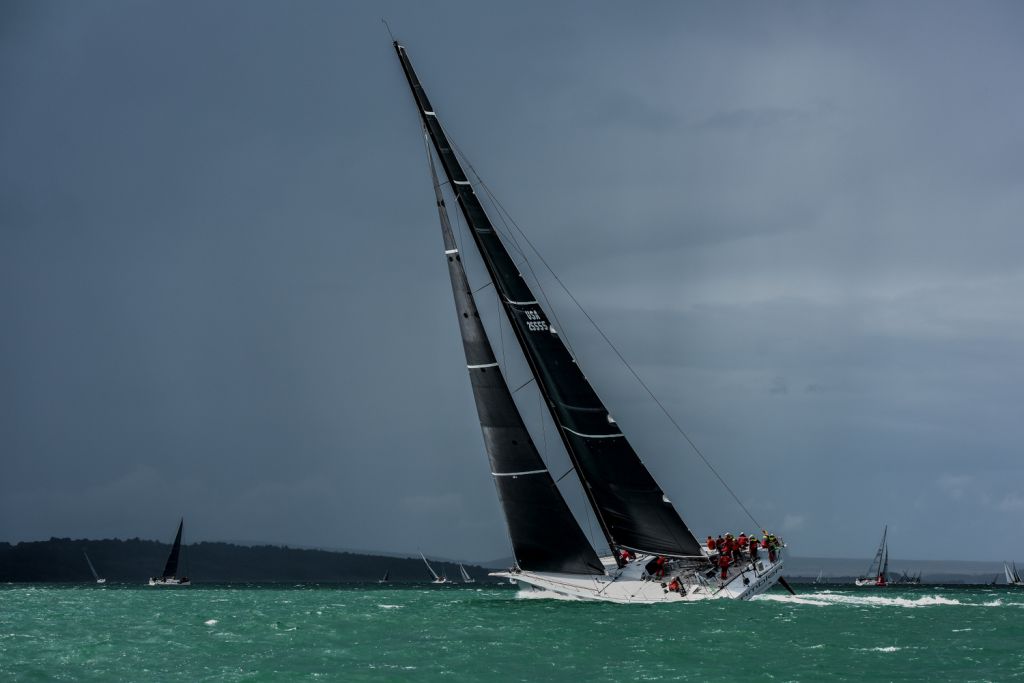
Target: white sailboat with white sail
(93,569)
(653,556)
(466,578)
(437,578)
(1012,576)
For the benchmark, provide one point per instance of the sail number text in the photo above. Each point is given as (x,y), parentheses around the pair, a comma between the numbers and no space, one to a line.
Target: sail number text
(534,323)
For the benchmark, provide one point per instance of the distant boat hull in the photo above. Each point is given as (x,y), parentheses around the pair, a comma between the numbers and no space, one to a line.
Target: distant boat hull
(101,581)
(170,582)
(870,583)
(631,585)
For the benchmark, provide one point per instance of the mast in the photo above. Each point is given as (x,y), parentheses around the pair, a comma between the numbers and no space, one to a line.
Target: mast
(545,536)
(630,506)
(171,568)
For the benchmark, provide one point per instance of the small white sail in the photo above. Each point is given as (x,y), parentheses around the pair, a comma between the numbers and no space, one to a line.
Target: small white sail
(437,579)
(466,578)
(93,569)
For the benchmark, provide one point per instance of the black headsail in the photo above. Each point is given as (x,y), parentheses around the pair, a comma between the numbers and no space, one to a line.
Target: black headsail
(171,568)
(632,509)
(545,536)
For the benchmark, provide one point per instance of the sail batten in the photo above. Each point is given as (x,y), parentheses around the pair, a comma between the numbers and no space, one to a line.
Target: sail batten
(630,506)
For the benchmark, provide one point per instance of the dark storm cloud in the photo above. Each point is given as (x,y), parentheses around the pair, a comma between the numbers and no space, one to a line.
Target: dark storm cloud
(221,296)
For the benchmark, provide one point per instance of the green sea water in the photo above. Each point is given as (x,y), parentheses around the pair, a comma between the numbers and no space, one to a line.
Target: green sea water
(370,633)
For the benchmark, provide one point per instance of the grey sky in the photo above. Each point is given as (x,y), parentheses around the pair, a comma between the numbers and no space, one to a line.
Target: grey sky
(221,292)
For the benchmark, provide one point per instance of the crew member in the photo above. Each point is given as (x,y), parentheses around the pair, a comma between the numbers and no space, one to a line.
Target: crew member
(723,564)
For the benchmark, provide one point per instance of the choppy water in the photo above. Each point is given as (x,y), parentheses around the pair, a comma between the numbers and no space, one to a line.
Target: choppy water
(364,633)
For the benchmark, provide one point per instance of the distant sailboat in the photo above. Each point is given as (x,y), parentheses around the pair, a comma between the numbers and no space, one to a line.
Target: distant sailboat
(819,579)
(1012,577)
(907,579)
(876,574)
(386,577)
(93,569)
(466,578)
(437,579)
(170,575)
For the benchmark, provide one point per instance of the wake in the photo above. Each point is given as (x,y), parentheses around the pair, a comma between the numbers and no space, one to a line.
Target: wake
(826,598)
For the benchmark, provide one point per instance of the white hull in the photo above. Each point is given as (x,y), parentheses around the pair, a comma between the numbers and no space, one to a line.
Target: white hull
(631,585)
(872,583)
(101,581)
(169,583)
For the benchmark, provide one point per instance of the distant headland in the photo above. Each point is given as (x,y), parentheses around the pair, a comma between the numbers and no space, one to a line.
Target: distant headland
(61,560)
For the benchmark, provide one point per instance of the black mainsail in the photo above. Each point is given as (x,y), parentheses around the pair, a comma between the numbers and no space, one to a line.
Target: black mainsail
(171,568)
(545,536)
(631,507)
